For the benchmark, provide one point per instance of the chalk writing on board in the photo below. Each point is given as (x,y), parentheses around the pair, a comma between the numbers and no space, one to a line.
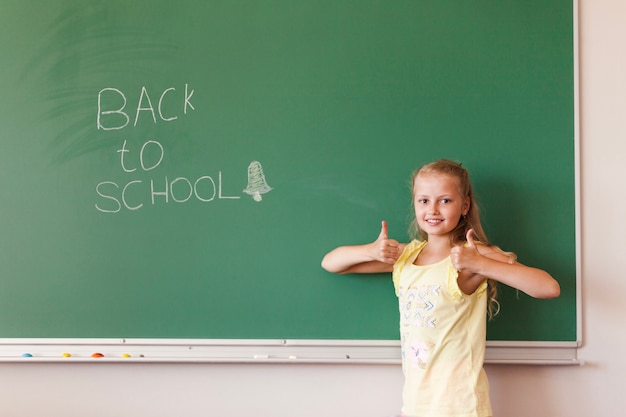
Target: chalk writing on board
(206,188)
(117,117)
(134,194)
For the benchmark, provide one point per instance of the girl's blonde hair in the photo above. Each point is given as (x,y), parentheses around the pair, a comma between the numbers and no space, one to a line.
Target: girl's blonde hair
(469,221)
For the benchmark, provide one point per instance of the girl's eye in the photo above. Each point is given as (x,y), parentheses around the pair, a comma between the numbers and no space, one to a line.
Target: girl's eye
(445,200)
(422,201)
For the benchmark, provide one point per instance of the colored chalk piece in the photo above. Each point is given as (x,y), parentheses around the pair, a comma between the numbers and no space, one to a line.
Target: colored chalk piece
(66,355)
(97,355)
(26,355)
(125,355)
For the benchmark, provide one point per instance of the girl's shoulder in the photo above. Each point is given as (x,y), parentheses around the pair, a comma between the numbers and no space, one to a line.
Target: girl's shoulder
(412,247)
(410,250)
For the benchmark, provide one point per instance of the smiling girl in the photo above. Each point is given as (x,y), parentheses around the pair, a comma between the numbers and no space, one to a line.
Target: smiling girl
(445,280)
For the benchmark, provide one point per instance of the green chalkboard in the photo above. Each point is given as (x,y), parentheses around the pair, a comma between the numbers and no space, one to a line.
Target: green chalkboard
(178,169)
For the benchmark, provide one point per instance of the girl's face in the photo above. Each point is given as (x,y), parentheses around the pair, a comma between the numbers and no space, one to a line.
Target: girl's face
(438,203)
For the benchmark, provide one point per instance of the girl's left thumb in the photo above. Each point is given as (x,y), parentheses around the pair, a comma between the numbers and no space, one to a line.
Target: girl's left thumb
(470,238)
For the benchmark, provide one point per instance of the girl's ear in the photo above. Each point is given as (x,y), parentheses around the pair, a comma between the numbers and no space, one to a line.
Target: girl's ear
(466,206)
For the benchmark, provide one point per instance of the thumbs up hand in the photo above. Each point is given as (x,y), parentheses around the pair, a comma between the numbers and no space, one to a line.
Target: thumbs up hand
(384,249)
(466,257)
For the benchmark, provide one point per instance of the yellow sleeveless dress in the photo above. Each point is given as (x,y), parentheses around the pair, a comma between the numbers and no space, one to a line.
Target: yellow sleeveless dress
(443,333)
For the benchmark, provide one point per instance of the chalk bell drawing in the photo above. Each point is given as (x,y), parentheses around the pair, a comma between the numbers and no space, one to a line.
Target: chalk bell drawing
(256,181)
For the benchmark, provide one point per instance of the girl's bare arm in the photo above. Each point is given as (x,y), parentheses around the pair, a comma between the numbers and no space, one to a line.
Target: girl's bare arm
(375,257)
(477,262)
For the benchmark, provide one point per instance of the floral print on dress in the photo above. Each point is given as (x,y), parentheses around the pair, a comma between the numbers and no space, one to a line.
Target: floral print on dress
(418,306)
(418,353)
